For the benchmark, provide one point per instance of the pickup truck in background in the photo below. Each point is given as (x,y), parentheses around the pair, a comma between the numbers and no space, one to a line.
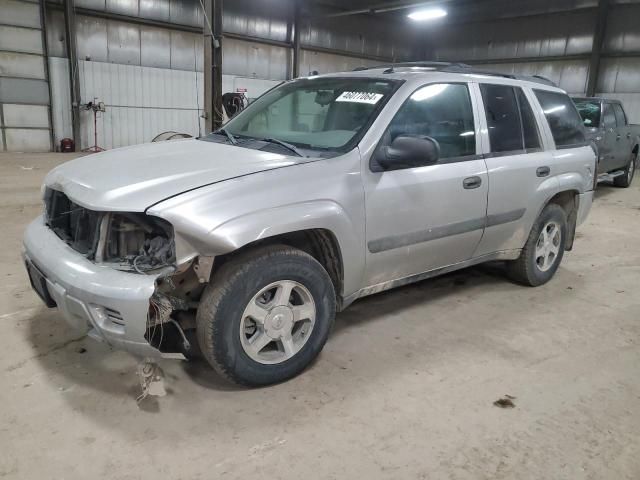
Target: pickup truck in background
(617,141)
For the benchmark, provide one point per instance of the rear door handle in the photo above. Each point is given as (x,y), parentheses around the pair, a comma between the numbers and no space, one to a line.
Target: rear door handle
(470,183)
(543,171)
(629,135)
(618,137)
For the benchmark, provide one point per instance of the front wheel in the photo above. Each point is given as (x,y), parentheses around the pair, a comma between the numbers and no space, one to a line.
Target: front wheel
(266,315)
(625,180)
(543,252)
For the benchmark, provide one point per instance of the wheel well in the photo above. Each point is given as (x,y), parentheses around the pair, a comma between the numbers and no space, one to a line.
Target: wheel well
(569,201)
(320,243)
(635,149)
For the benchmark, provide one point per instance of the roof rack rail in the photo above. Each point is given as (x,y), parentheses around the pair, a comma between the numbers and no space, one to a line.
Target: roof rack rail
(453,67)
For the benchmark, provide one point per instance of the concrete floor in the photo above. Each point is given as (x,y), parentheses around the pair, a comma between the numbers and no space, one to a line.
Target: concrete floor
(403,390)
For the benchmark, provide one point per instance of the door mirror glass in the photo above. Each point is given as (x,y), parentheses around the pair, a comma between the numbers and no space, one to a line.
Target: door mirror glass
(408,152)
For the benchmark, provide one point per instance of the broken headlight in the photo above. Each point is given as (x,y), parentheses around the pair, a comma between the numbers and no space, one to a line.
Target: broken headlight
(137,241)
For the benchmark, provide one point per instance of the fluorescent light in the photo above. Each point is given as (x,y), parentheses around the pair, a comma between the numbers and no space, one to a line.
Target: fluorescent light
(428,14)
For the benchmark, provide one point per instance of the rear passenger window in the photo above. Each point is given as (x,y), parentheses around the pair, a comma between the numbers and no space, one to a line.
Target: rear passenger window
(564,121)
(512,125)
(503,118)
(621,118)
(441,111)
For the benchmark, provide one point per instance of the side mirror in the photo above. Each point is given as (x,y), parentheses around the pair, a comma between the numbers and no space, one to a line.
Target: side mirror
(406,152)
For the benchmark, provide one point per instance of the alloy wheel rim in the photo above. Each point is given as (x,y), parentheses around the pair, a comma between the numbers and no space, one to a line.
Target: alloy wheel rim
(277,322)
(548,246)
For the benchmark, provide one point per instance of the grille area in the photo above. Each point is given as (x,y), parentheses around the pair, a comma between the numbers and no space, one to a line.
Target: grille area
(76,225)
(114,315)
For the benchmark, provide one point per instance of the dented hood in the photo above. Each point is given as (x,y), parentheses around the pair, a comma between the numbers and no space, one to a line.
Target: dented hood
(134,178)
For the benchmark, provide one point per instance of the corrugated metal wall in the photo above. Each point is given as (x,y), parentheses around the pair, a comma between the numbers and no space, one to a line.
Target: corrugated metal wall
(24,91)
(150,76)
(554,40)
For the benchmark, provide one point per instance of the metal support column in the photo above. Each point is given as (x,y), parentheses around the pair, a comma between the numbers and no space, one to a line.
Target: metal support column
(74,74)
(45,56)
(213,64)
(596,49)
(296,39)
(208,66)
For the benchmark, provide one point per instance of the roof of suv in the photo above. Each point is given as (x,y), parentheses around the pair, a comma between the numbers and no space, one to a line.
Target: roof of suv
(444,71)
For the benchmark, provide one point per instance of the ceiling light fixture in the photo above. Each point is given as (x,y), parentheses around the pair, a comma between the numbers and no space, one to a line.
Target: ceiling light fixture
(429,14)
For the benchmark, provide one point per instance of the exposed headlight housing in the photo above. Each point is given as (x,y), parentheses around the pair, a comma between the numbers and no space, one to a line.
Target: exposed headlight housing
(128,241)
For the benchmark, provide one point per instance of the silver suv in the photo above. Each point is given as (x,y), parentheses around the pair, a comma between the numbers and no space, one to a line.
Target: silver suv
(242,245)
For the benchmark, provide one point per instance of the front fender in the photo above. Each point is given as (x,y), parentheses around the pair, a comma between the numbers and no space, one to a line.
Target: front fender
(319,214)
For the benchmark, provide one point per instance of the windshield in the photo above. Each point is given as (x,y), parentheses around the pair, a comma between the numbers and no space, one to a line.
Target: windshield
(590,112)
(320,113)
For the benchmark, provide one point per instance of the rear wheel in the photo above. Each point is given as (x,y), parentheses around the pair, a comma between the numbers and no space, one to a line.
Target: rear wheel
(625,180)
(266,315)
(543,252)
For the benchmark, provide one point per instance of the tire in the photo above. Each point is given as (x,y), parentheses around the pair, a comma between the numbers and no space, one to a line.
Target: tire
(528,269)
(624,181)
(226,327)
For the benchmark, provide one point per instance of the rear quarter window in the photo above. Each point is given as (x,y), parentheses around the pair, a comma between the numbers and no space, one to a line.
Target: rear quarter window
(563,118)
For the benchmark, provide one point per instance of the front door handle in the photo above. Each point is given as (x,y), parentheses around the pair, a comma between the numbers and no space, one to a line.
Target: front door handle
(618,137)
(629,135)
(543,171)
(470,183)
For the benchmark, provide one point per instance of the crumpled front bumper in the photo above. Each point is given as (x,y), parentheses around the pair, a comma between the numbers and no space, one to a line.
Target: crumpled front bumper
(109,305)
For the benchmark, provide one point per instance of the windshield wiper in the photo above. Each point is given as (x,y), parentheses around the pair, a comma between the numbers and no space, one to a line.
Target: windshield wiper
(229,136)
(286,145)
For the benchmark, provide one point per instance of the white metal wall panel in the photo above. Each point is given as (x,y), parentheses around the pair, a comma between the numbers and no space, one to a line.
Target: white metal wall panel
(23,90)
(141,102)
(183,50)
(60,99)
(264,19)
(327,63)
(123,43)
(623,33)
(27,140)
(569,75)
(99,5)
(31,116)
(123,7)
(250,59)
(567,34)
(155,9)
(17,39)
(20,14)
(153,47)
(619,75)
(91,33)
(21,65)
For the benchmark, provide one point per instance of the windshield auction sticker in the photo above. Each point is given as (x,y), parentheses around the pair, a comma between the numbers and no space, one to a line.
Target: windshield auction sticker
(360,97)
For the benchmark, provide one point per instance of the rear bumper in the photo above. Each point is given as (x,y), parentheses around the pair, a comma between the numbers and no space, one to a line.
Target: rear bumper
(109,305)
(584,206)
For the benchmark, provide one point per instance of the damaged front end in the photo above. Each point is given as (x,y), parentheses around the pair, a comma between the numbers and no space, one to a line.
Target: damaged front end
(125,241)
(142,245)
(171,321)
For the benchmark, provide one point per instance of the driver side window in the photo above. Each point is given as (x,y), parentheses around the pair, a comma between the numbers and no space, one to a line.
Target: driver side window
(441,111)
